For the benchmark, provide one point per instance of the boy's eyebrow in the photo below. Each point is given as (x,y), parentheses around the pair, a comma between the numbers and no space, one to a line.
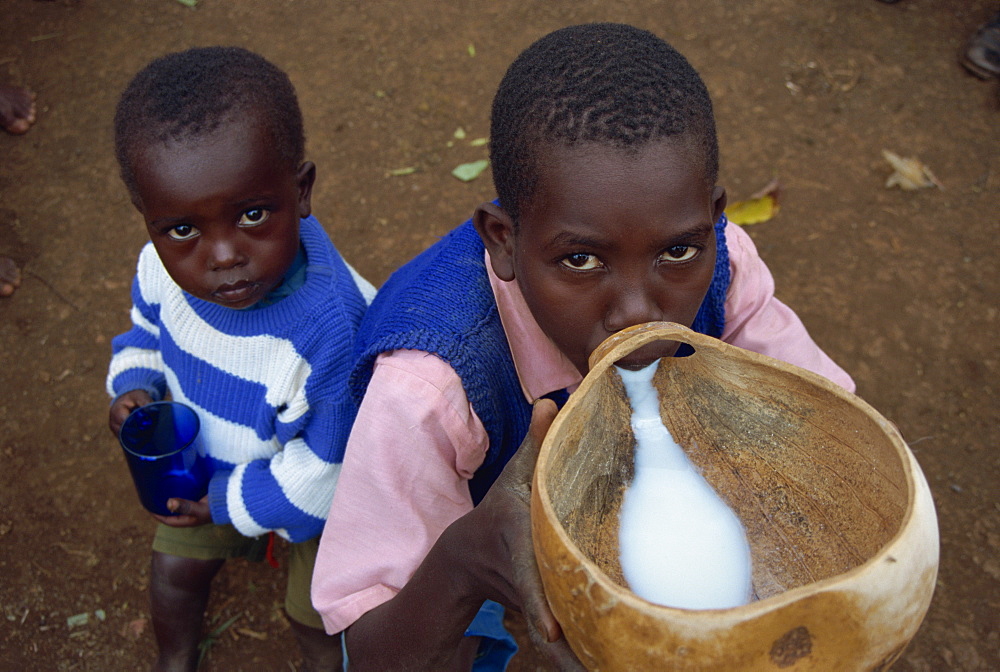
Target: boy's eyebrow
(253,200)
(568,238)
(167,220)
(700,230)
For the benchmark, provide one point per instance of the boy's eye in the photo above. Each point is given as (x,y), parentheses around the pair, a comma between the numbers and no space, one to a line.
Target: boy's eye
(182,232)
(254,217)
(679,253)
(581,262)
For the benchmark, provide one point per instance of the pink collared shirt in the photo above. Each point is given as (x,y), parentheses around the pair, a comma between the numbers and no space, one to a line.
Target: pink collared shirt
(416,440)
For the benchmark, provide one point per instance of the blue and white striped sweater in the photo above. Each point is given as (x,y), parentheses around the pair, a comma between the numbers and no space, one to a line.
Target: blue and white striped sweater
(269,384)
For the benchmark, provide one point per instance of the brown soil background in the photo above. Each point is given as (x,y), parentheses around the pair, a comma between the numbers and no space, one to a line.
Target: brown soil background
(899,287)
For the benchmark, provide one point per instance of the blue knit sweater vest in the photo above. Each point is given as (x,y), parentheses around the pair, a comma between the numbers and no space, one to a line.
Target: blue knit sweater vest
(441,302)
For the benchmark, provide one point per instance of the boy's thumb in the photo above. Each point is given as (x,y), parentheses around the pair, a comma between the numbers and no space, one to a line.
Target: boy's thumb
(543,413)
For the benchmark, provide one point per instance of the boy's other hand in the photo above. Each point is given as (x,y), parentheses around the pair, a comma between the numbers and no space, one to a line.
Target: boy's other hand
(124,405)
(189,514)
(507,507)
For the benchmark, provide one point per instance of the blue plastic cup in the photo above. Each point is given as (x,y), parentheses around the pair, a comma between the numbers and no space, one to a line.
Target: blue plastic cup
(161,448)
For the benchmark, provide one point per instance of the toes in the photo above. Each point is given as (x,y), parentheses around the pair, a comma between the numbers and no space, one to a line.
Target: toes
(10,276)
(19,126)
(17,109)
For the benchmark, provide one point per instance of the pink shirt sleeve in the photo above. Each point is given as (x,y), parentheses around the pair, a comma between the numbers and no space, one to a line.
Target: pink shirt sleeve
(392,504)
(756,320)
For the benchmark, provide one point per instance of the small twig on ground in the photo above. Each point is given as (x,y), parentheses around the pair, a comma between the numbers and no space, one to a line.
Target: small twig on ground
(209,641)
(53,289)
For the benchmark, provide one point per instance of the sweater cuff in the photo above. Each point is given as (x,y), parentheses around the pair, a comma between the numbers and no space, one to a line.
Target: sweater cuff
(149,380)
(217,500)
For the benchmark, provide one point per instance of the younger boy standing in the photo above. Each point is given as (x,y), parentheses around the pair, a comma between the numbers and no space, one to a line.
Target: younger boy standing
(605,159)
(243,310)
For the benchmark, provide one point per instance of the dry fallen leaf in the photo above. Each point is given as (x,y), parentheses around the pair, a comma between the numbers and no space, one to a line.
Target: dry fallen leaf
(470,171)
(909,173)
(135,628)
(78,620)
(760,207)
(261,636)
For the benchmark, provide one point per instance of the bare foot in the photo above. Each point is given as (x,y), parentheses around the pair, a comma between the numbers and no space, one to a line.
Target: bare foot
(17,109)
(10,276)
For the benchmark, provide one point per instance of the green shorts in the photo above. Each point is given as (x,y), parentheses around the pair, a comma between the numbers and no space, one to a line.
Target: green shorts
(221,542)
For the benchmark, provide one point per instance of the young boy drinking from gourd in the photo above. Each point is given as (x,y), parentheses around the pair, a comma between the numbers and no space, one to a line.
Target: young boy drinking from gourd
(605,158)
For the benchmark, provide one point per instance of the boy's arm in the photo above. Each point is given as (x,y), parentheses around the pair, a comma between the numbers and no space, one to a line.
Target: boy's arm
(136,363)
(756,320)
(485,554)
(290,492)
(136,372)
(415,444)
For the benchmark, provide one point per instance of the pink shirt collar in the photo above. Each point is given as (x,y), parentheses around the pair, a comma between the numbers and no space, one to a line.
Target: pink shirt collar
(541,367)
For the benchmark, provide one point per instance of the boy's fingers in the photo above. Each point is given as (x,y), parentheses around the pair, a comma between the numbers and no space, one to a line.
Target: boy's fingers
(175,521)
(537,612)
(534,605)
(179,506)
(562,656)
(545,631)
(523,464)
(542,415)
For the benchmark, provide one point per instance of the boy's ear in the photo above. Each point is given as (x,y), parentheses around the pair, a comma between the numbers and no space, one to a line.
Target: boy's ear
(718,202)
(305,179)
(496,228)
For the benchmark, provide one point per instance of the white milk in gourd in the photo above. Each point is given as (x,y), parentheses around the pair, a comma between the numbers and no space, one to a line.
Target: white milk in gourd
(681,546)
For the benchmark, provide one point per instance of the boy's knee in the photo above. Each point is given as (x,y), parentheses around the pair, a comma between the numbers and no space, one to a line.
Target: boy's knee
(180,572)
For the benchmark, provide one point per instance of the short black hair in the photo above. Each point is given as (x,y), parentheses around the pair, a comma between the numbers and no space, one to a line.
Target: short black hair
(190,93)
(603,82)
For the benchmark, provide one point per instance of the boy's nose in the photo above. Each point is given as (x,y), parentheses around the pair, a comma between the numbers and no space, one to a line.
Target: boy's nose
(225,255)
(634,305)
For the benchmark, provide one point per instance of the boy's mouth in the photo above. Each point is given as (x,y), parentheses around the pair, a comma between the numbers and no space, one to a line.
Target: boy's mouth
(236,292)
(644,356)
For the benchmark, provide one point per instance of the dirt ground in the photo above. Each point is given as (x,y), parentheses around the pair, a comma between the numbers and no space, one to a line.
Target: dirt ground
(898,286)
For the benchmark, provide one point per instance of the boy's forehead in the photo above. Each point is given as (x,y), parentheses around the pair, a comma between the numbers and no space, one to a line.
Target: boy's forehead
(680,148)
(562,168)
(234,158)
(228,132)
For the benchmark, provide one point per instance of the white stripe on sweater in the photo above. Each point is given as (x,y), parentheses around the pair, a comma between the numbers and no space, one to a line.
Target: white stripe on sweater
(140,321)
(238,513)
(306,480)
(366,288)
(132,358)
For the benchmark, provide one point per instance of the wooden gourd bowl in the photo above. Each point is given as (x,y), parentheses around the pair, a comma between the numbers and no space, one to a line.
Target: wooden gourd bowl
(840,520)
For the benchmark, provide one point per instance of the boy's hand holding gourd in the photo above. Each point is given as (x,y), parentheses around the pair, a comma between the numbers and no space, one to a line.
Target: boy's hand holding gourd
(509,564)
(485,554)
